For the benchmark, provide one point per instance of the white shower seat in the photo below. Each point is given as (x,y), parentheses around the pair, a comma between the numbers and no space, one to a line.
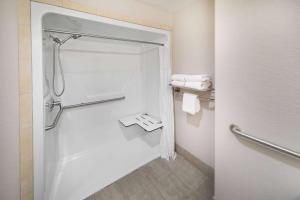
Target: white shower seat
(145,121)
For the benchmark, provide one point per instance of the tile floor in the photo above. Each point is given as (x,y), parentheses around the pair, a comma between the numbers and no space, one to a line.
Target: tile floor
(160,180)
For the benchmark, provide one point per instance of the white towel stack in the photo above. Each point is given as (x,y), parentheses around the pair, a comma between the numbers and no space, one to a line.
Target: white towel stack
(198,82)
(179,77)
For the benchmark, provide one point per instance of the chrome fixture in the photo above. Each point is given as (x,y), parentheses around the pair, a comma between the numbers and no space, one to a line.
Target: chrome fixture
(208,95)
(56,119)
(100,36)
(237,131)
(57,44)
(62,108)
(61,42)
(52,104)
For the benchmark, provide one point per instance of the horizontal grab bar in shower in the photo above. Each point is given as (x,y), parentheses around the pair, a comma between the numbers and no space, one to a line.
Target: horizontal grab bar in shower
(101,36)
(62,108)
(237,131)
(93,102)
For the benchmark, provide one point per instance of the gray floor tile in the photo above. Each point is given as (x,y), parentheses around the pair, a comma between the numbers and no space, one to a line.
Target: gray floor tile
(109,193)
(157,168)
(135,187)
(204,191)
(187,173)
(160,180)
(171,187)
(92,197)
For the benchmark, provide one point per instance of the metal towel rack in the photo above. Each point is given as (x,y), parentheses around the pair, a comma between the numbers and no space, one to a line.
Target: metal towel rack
(237,131)
(62,108)
(202,96)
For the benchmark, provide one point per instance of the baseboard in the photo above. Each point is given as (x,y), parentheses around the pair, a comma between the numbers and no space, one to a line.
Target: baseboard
(208,170)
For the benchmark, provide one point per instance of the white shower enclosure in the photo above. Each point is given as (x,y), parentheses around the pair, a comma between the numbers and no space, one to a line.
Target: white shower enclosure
(112,71)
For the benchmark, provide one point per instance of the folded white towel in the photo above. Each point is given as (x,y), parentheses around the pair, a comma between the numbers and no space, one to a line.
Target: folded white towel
(178,83)
(198,78)
(198,85)
(178,77)
(190,103)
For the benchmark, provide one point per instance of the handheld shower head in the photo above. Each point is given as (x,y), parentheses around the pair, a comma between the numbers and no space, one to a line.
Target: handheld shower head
(59,43)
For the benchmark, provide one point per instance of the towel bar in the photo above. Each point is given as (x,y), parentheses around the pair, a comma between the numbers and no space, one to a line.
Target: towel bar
(201,96)
(237,131)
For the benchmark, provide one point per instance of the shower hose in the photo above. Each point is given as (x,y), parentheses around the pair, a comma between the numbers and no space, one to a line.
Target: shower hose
(56,90)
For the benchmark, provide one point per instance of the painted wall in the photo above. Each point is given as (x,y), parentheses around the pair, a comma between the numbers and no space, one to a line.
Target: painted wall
(193,53)
(9,101)
(130,9)
(258,84)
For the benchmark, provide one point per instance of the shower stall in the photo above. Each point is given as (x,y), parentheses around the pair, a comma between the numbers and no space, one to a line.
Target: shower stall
(102,104)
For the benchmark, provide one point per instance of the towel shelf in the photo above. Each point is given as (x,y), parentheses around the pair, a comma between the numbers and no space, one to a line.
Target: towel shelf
(201,96)
(192,89)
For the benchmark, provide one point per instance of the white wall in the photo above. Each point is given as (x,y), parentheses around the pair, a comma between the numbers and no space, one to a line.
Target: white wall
(193,53)
(258,84)
(98,69)
(151,74)
(9,101)
(51,147)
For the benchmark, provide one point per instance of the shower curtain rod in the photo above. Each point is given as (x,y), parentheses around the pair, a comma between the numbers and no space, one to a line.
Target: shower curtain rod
(100,36)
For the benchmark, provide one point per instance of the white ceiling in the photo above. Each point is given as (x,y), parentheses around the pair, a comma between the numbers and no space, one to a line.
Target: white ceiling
(168,5)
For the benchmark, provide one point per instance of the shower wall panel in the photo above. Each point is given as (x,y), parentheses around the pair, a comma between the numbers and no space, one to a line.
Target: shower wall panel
(151,77)
(92,137)
(97,70)
(89,148)
(51,138)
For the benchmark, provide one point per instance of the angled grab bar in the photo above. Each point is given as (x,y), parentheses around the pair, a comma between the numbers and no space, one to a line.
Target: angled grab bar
(62,108)
(53,125)
(237,131)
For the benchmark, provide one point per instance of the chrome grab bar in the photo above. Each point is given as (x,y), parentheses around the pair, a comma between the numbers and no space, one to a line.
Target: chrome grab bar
(93,102)
(53,125)
(62,108)
(237,131)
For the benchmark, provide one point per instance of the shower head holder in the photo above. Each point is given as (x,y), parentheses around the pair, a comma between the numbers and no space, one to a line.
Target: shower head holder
(61,42)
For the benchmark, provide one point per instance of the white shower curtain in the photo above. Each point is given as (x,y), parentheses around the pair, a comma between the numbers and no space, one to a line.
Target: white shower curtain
(167,141)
